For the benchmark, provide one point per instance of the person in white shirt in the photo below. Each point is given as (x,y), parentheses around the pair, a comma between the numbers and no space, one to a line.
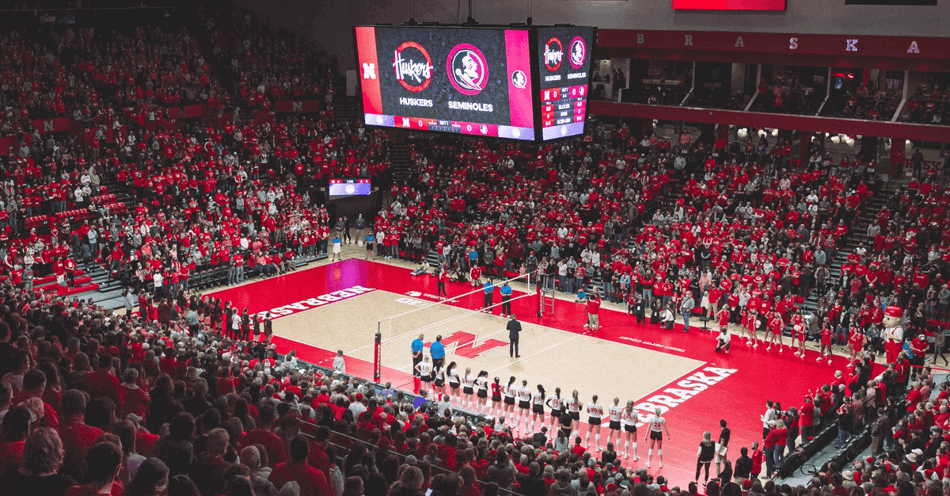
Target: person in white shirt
(769,416)
(339,364)
(614,414)
(723,339)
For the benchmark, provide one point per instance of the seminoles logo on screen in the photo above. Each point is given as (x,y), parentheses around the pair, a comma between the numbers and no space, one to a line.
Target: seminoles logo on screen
(413,66)
(578,52)
(519,79)
(467,68)
(553,54)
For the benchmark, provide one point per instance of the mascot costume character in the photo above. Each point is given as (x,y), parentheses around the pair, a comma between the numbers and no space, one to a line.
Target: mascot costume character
(893,332)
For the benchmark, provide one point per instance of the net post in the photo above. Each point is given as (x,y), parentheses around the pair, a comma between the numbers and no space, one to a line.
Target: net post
(540,301)
(378,352)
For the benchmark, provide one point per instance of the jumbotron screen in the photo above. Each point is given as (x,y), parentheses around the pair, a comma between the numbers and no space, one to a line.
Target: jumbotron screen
(563,56)
(469,81)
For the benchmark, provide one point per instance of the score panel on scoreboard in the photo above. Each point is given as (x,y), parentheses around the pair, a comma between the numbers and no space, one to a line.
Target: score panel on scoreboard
(468,81)
(563,58)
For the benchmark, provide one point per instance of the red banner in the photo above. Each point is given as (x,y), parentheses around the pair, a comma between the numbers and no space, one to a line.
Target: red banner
(297,106)
(260,117)
(54,125)
(192,111)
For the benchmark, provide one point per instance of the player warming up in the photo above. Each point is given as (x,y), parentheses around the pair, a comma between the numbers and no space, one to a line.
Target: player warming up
(657,425)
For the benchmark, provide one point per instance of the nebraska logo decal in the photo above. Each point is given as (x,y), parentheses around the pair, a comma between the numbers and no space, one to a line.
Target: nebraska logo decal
(578,52)
(413,66)
(467,68)
(465,344)
(553,54)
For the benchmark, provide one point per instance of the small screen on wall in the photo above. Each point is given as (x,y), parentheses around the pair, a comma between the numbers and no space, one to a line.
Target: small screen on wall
(737,5)
(923,3)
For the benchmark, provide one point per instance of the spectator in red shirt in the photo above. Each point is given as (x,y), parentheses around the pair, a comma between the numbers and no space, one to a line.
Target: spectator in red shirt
(105,460)
(265,436)
(77,437)
(16,426)
(103,383)
(135,399)
(312,481)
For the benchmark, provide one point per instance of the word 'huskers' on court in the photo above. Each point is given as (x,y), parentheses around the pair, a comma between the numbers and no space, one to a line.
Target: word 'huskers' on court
(680,391)
(302,305)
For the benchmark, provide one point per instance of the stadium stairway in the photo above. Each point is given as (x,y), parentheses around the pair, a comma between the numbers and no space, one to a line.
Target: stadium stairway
(856,236)
(401,162)
(346,109)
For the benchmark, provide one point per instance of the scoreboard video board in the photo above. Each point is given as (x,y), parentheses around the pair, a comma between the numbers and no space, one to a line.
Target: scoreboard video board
(523,83)
(469,81)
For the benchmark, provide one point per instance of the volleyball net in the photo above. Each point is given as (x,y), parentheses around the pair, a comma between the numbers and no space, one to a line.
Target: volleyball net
(433,315)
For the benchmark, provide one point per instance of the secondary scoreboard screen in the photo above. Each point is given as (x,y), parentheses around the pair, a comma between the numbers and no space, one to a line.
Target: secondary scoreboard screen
(350,187)
(468,81)
(737,5)
(563,57)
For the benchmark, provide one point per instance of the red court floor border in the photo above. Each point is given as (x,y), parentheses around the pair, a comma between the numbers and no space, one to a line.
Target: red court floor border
(733,387)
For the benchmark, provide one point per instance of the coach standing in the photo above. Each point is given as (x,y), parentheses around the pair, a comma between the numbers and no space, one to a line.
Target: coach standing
(438,352)
(514,330)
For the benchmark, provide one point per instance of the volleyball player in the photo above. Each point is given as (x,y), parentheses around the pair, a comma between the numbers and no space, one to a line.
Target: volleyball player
(524,404)
(537,408)
(438,374)
(657,425)
(496,407)
(775,328)
(454,382)
(614,413)
(594,413)
(424,368)
(574,408)
(629,419)
(468,388)
(481,384)
(556,404)
(510,392)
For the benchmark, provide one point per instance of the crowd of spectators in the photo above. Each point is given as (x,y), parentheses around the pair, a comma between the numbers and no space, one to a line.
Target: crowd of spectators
(927,105)
(164,402)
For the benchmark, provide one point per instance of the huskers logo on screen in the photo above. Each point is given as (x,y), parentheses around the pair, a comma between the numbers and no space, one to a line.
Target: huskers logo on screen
(553,54)
(467,68)
(413,66)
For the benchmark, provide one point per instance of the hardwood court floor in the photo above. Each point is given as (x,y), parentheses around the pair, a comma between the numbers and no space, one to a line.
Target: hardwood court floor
(337,306)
